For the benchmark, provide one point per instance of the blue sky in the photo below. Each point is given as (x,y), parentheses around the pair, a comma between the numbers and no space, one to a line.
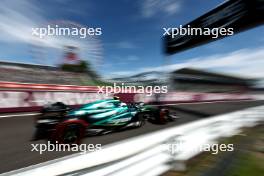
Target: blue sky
(131,39)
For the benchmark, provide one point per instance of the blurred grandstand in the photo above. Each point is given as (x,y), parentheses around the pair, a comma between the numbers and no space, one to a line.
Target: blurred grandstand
(193,80)
(186,79)
(189,79)
(146,78)
(40,74)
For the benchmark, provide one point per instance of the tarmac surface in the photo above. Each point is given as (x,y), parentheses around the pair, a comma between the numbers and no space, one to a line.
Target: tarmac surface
(16,132)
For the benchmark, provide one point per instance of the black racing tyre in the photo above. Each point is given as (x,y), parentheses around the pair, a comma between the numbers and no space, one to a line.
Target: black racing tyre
(163,116)
(68,134)
(140,120)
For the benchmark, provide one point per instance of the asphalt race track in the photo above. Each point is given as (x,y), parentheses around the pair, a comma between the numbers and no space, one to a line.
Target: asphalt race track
(16,132)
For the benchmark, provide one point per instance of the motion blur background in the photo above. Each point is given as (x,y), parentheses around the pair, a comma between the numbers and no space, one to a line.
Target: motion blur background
(131,51)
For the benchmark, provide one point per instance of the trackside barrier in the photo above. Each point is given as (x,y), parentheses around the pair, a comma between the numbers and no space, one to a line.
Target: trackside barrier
(22,97)
(150,154)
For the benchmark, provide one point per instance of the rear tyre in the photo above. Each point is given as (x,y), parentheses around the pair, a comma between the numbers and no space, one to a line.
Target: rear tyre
(68,134)
(164,116)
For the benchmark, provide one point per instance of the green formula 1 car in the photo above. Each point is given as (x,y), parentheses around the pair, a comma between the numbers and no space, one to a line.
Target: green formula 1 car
(61,124)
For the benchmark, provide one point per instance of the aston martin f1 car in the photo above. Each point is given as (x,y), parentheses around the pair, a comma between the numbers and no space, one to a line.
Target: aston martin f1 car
(59,123)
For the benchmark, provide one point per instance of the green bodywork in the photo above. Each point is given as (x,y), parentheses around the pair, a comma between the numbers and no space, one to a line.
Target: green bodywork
(108,112)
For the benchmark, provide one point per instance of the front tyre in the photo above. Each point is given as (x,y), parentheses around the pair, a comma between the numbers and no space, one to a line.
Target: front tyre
(140,120)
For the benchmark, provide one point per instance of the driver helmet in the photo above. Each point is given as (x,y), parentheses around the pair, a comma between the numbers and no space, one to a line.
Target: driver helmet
(116,98)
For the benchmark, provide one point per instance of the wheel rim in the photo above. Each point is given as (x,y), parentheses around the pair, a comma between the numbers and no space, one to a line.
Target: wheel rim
(70,136)
(140,123)
(164,116)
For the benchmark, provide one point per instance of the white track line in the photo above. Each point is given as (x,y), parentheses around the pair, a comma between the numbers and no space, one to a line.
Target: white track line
(18,115)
